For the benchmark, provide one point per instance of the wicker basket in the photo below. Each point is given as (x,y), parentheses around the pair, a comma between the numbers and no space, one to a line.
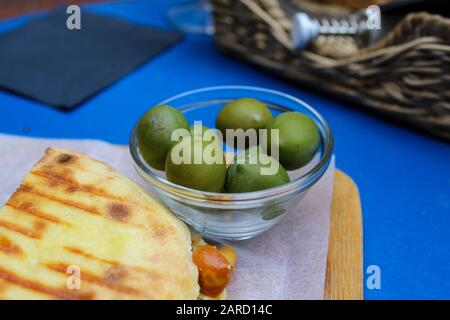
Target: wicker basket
(405,75)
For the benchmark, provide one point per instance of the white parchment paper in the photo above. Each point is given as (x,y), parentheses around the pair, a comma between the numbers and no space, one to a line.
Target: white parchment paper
(286,262)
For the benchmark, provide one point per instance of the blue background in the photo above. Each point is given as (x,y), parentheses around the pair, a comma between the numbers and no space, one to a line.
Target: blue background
(403,176)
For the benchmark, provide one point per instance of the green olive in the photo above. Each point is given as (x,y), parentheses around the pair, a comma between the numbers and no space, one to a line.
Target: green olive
(154,133)
(245,113)
(299,139)
(253,170)
(197,164)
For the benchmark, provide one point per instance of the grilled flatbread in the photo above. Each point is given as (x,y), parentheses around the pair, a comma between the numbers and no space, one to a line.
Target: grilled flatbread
(74,216)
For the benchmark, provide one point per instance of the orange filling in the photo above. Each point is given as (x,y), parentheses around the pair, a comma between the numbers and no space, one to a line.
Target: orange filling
(215,268)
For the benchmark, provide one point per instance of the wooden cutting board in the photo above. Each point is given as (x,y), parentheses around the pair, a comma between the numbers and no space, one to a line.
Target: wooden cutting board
(344,275)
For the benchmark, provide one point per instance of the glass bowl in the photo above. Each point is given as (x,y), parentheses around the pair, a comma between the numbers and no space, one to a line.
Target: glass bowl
(235,216)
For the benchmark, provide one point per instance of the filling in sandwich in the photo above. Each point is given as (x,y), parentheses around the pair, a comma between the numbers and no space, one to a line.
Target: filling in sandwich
(215,267)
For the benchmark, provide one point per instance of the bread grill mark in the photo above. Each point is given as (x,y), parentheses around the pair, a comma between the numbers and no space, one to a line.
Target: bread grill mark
(3,286)
(89,256)
(36,233)
(113,263)
(114,275)
(66,178)
(65,158)
(56,179)
(118,212)
(27,208)
(104,281)
(71,189)
(39,227)
(29,189)
(39,287)
(10,248)
(162,232)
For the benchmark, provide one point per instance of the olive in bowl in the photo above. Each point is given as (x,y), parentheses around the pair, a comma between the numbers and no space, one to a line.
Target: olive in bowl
(243,113)
(253,170)
(298,139)
(197,164)
(154,133)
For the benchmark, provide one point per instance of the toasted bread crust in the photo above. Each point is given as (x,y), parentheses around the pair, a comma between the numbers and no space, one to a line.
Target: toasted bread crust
(75,212)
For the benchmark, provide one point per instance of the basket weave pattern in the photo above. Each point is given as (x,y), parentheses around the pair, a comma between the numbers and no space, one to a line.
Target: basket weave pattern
(405,75)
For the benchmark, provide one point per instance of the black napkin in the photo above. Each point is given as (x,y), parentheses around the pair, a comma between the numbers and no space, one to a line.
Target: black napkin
(46,61)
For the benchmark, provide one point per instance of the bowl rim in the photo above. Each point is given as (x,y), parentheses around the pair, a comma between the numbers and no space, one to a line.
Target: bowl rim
(298,185)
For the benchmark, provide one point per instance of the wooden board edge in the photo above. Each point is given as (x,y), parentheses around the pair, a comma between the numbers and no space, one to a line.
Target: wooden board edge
(344,273)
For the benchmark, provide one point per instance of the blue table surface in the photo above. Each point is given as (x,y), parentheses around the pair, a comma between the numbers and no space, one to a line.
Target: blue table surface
(403,176)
